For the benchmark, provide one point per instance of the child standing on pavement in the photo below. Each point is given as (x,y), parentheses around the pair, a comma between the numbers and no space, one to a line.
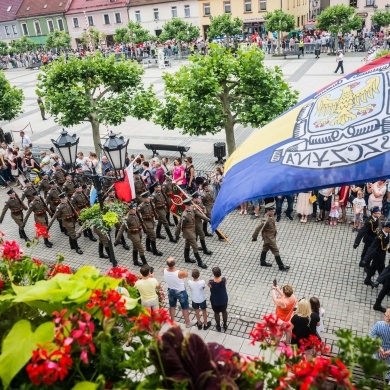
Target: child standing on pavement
(334,211)
(358,207)
(198,298)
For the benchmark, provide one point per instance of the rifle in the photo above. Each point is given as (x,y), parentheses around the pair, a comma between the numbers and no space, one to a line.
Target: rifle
(153,208)
(141,221)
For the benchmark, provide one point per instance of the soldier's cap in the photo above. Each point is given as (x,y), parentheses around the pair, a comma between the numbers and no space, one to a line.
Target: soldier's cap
(52,183)
(78,185)
(132,205)
(145,194)
(63,195)
(78,166)
(36,193)
(387,224)
(205,184)
(43,174)
(26,181)
(9,192)
(68,174)
(195,195)
(107,170)
(270,206)
(111,190)
(56,164)
(187,201)
(136,171)
(375,209)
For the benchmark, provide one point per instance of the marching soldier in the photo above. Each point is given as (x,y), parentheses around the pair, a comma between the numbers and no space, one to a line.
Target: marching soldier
(44,184)
(375,257)
(111,195)
(139,185)
(199,218)
(28,191)
(104,244)
(208,202)
(65,214)
(160,203)
(59,174)
(148,215)
(68,186)
(187,226)
(368,232)
(167,189)
(16,206)
(39,208)
(53,200)
(134,233)
(80,201)
(268,231)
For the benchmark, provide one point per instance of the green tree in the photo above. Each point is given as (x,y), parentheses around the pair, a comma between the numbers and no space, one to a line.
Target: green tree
(23,45)
(93,35)
(97,90)
(381,19)
(224,25)
(134,33)
(218,91)
(11,99)
(180,31)
(338,19)
(4,48)
(58,40)
(280,22)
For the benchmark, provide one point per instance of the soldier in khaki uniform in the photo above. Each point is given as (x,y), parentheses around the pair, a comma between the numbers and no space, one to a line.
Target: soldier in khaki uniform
(104,244)
(53,200)
(39,209)
(160,205)
(44,184)
(134,233)
(148,215)
(187,226)
(199,218)
(68,186)
(167,188)
(59,175)
(28,191)
(208,202)
(139,186)
(16,206)
(65,213)
(268,231)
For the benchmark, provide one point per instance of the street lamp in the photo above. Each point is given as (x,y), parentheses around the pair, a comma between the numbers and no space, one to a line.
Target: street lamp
(67,147)
(387,6)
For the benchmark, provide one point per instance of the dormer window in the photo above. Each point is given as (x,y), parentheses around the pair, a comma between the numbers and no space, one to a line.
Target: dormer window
(9,8)
(45,6)
(28,9)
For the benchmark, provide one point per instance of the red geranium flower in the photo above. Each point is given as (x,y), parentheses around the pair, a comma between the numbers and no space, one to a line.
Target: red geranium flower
(271,328)
(37,262)
(122,273)
(151,321)
(2,285)
(41,231)
(11,250)
(109,301)
(59,269)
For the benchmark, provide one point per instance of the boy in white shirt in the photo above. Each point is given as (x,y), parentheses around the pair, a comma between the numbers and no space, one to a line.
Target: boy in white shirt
(358,206)
(198,298)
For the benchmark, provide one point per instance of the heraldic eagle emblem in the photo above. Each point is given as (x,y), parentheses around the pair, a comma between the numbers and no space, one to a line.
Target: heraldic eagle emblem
(349,104)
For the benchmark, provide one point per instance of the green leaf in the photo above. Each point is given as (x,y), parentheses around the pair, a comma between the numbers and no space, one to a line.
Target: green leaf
(85,386)
(18,346)
(87,271)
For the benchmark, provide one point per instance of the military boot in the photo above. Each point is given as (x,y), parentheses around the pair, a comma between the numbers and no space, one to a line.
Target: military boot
(112,260)
(169,220)
(147,244)
(169,233)
(158,232)
(263,262)
(187,258)
(206,233)
(48,244)
(76,246)
(71,243)
(143,259)
(90,235)
(135,259)
(25,236)
(102,255)
(204,248)
(200,262)
(282,267)
(154,248)
(124,244)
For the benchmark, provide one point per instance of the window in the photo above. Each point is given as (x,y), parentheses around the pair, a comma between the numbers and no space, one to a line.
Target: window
(60,23)
(353,3)
(187,11)
(37,26)
(137,16)
(155,12)
(106,19)
(76,22)
(50,25)
(14,30)
(24,29)
(90,21)
(263,5)
(370,3)
(118,18)
(7,31)
(247,5)
(227,7)
(206,9)
(9,8)
(298,21)
(174,12)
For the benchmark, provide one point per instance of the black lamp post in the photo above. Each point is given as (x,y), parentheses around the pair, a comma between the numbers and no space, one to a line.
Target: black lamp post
(387,6)
(67,147)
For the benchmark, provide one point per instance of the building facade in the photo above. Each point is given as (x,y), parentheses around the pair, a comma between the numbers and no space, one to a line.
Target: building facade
(104,15)
(152,14)
(252,12)
(38,18)
(9,28)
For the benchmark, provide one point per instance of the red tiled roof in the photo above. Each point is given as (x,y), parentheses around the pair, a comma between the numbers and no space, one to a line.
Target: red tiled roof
(136,3)
(12,5)
(78,6)
(42,7)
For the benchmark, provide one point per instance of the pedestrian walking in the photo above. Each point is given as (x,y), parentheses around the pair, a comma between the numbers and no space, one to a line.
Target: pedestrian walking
(340,61)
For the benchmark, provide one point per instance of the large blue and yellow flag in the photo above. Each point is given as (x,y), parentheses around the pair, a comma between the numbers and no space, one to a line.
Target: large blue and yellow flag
(339,135)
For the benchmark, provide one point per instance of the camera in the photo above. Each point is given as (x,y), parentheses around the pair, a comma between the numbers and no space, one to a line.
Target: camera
(275,282)
(151,270)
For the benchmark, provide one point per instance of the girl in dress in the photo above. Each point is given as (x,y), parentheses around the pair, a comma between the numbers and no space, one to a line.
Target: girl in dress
(334,210)
(316,308)
(304,207)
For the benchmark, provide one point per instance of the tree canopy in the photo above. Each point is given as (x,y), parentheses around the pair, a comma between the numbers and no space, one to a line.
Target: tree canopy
(58,40)
(4,48)
(92,35)
(215,92)
(224,25)
(179,30)
(134,33)
(280,22)
(338,19)
(381,19)
(11,99)
(23,45)
(96,89)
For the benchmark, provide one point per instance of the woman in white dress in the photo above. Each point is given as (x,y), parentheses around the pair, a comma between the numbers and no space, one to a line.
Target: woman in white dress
(304,207)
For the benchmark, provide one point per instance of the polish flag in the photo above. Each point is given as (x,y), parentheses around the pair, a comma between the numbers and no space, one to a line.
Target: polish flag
(125,189)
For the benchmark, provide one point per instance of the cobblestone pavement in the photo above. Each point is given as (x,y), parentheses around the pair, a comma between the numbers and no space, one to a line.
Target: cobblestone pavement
(321,257)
